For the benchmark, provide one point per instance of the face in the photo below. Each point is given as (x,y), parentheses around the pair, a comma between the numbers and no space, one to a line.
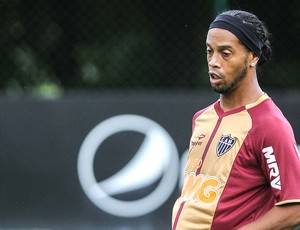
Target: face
(228,60)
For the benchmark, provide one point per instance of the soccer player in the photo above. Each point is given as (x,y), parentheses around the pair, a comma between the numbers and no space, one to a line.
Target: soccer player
(243,166)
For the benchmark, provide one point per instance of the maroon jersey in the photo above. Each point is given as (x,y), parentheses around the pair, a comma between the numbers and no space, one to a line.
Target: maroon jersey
(240,164)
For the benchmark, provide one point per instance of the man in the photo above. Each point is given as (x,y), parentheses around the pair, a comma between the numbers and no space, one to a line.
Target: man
(243,168)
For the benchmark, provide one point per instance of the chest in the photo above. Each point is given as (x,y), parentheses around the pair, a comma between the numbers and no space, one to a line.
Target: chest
(216,142)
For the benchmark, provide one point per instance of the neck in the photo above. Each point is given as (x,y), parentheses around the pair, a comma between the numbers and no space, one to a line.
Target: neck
(246,93)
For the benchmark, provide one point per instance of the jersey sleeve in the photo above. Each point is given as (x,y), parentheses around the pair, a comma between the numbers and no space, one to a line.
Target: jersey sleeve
(278,155)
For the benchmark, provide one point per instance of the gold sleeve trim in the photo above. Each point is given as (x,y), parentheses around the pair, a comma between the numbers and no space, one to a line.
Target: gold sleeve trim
(287,202)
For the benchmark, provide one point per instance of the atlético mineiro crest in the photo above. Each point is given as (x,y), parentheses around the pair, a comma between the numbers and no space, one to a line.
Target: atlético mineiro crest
(226,142)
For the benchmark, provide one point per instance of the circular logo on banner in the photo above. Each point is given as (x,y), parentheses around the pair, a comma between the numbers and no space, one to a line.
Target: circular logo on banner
(156,160)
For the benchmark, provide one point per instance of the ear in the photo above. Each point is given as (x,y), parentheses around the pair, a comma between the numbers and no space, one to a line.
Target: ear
(253,59)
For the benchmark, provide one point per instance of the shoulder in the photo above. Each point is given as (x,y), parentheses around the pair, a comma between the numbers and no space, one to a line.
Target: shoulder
(270,127)
(197,114)
(268,118)
(200,112)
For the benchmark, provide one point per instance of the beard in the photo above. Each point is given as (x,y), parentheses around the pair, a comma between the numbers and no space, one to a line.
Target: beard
(228,87)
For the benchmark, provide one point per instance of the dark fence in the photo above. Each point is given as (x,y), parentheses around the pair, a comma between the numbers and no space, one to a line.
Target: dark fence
(48,46)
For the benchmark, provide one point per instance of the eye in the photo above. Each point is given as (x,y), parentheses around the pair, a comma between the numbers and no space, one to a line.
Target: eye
(225,54)
(208,51)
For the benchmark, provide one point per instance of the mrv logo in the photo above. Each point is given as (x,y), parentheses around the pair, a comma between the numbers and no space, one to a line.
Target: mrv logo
(156,161)
(272,164)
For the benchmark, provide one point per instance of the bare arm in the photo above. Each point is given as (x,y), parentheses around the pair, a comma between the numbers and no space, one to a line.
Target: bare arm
(279,217)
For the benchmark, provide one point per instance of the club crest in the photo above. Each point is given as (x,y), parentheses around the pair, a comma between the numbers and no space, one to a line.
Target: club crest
(226,142)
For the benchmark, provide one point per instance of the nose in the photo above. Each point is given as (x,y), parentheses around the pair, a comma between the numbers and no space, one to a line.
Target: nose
(214,61)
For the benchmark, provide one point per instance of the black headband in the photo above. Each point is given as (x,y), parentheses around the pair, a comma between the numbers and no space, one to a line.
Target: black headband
(240,30)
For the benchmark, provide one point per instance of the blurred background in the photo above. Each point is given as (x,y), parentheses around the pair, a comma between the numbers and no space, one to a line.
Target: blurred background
(69,65)
(50,47)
